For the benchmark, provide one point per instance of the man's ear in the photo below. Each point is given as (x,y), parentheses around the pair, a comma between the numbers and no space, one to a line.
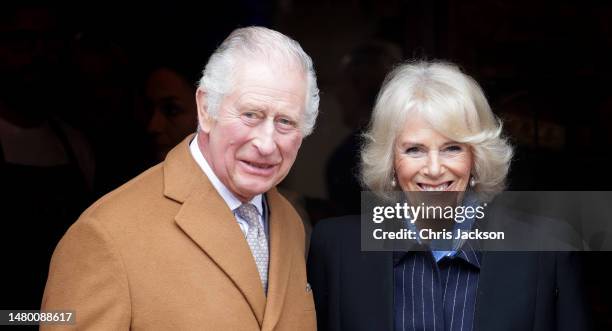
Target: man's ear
(204,119)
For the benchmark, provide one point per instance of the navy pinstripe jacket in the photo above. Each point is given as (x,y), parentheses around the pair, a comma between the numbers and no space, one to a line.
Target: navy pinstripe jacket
(354,290)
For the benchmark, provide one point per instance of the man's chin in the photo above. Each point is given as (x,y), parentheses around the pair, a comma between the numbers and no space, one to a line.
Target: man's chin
(249,189)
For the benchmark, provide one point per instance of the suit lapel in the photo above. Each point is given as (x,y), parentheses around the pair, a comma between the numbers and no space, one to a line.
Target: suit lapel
(207,220)
(281,258)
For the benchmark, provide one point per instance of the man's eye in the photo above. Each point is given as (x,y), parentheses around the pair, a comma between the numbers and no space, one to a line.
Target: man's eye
(251,117)
(286,122)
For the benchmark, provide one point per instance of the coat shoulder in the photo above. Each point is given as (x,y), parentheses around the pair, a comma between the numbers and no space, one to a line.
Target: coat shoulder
(337,231)
(330,226)
(280,204)
(142,195)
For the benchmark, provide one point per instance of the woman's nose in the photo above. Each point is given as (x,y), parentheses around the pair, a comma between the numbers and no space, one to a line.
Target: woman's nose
(433,167)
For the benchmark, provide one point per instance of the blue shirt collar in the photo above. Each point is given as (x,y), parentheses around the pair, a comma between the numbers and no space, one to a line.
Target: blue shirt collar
(462,249)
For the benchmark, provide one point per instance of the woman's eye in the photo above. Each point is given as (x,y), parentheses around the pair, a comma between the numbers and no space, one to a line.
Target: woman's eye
(249,114)
(413,150)
(453,148)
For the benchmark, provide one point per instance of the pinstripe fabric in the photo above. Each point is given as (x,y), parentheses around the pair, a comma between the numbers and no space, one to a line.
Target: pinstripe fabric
(432,295)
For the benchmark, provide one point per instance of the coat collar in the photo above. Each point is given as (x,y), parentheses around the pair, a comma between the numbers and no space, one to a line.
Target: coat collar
(206,219)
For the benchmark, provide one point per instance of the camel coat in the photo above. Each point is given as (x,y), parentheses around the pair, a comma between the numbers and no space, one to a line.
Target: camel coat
(164,252)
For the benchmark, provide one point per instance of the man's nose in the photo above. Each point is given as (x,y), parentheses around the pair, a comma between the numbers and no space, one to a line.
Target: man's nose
(264,138)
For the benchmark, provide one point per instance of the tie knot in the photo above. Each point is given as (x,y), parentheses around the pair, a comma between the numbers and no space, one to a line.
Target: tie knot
(249,213)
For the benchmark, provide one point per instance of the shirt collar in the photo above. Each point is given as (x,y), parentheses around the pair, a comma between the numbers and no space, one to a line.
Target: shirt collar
(469,254)
(467,250)
(230,199)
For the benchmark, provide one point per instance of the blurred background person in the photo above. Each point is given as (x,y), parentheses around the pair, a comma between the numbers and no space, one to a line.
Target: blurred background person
(169,110)
(46,166)
(102,85)
(362,72)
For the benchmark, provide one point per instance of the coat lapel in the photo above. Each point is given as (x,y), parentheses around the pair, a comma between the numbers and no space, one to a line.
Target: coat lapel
(207,220)
(281,258)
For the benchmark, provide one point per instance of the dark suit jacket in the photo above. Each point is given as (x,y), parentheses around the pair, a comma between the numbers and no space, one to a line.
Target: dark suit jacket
(516,291)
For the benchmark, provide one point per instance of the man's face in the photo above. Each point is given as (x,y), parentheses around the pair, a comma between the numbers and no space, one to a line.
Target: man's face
(254,139)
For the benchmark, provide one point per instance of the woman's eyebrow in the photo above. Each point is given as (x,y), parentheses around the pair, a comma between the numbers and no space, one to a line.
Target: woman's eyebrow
(411,143)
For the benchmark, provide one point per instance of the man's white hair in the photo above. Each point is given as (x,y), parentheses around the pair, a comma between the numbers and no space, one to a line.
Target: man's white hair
(261,43)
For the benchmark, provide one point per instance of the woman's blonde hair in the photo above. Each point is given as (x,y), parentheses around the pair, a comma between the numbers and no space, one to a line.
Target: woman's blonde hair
(454,105)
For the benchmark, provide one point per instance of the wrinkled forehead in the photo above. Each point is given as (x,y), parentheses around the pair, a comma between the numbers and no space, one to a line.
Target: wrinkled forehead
(263,76)
(273,64)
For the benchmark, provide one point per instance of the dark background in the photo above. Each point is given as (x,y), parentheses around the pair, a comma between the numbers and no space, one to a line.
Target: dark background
(544,66)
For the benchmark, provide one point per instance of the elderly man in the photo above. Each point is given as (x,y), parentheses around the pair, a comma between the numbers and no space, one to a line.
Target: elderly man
(204,240)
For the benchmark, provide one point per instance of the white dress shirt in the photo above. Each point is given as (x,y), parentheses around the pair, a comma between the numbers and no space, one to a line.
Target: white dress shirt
(229,198)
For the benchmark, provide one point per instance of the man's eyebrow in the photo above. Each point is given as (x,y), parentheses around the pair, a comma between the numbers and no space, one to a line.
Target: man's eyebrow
(251,106)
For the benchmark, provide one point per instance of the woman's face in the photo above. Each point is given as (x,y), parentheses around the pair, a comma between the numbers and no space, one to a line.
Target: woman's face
(425,160)
(172,108)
